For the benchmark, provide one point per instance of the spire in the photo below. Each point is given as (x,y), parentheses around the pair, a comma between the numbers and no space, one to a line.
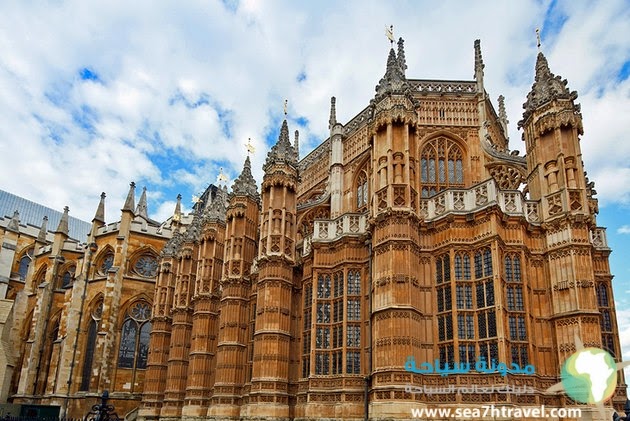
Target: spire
(177,215)
(394,81)
(296,145)
(100,210)
(43,230)
(503,115)
(245,185)
(547,87)
(401,56)
(131,198)
(333,113)
(282,151)
(63,222)
(14,223)
(478,64)
(141,210)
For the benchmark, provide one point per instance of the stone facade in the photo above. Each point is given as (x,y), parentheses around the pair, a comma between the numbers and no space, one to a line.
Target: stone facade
(412,231)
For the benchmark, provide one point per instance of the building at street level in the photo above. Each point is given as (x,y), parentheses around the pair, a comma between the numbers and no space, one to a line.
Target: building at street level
(411,231)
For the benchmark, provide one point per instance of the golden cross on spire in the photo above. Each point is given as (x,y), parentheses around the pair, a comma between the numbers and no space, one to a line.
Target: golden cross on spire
(221,177)
(286,104)
(389,33)
(249,146)
(538,38)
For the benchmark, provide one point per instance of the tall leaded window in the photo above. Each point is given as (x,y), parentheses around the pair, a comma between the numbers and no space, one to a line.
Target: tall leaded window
(353,325)
(602,295)
(68,276)
(441,166)
(462,267)
(306,336)
(134,337)
(606,323)
(90,346)
(516,319)
(362,191)
(25,262)
(323,322)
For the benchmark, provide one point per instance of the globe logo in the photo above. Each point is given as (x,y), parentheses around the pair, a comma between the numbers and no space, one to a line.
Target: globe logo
(589,375)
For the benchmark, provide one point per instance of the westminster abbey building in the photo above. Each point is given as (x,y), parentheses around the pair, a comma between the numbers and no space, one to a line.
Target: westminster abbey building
(411,233)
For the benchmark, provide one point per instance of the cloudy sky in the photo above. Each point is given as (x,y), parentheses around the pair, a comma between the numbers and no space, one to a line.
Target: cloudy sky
(96,94)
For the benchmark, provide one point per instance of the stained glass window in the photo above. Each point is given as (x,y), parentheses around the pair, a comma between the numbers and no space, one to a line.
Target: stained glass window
(106,263)
(90,346)
(134,337)
(25,262)
(68,277)
(146,265)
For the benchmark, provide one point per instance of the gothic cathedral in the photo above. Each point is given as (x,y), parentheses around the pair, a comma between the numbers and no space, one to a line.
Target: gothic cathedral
(411,232)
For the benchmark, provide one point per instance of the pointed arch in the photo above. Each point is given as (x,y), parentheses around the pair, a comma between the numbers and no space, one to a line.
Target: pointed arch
(143,262)
(94,313)
(103,261)
(23,261)
(135,329)
(443,163)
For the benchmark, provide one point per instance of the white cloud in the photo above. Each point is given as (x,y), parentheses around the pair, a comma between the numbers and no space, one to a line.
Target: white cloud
(624,229)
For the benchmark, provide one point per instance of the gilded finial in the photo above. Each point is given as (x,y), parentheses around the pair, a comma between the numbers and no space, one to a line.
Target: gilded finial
(389,33)
(538,38)
(250,148)
(221,177)
(286,105)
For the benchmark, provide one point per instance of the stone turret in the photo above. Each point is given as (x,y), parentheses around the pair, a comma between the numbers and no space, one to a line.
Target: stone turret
(236,286)
(275,301)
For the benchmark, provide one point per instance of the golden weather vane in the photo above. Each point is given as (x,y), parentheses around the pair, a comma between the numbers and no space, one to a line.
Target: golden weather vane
(249,146)
(221,177)
(389,33)
(538,38)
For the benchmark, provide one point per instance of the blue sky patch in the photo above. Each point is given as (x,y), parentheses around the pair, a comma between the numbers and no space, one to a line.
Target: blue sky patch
(230,5)
(85,117)
(554,21)
(624,72)
(301,77)
(88,74)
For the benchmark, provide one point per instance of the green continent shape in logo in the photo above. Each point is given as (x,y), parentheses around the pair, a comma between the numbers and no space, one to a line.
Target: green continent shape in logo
(589,375)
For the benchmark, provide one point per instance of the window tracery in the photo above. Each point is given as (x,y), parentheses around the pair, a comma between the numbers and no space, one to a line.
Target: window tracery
(134,337)
(106,263)
(362,190)
(441,166)
(25,263)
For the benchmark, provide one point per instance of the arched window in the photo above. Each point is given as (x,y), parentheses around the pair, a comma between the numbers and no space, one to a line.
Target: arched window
(105,263)
(602,295)
(90,346)
(441,166)
(25,262)
(512,268)
(362,191)
(134,337)
(462,267)
(68,277)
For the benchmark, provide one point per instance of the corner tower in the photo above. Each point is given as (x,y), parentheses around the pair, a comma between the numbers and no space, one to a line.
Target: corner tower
(576,253)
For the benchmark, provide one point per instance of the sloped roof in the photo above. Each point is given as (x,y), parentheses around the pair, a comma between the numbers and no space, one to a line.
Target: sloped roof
(32,213)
